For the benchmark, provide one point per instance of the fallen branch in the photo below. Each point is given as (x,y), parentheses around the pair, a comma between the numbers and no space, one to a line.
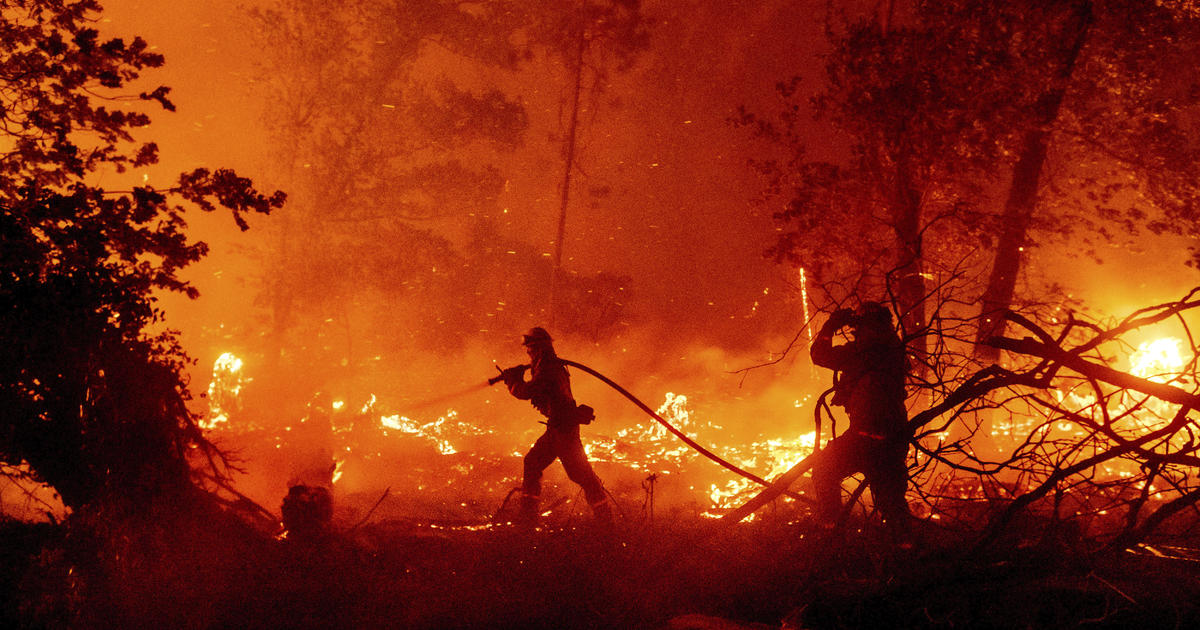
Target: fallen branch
(1097,371)
(776,488)
(370,511)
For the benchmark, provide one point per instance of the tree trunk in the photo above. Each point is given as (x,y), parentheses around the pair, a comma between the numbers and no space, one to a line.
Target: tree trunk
(910,283)
(1023,192)
(569,158)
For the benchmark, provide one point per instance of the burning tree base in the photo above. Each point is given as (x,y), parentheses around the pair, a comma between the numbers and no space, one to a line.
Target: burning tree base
(307,513)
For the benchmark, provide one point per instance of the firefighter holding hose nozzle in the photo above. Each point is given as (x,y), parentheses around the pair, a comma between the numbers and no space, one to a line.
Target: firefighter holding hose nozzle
(549,390)
(869,383)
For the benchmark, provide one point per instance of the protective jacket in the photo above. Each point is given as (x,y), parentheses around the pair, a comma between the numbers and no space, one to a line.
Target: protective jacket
(870,384)
(549,391)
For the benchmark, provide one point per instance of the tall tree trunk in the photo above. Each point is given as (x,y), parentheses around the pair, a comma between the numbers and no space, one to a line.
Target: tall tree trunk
(910,283)
(569,159)
(1023,191)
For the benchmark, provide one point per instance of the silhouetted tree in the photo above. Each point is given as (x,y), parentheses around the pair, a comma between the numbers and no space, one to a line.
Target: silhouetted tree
(892,215)
(978,130)
(91,397)
(1102,149)
(394,123)
(385,121)
(587,37)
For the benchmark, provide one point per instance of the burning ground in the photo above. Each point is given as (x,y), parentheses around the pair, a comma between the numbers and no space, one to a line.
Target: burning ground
(457,463)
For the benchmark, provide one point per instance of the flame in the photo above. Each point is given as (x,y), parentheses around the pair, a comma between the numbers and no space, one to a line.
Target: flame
(433,431)
(804,301)
(337,470)
(361,433)
(650,447)
(766,457)
(223,390)
(369,432)
(1159,360)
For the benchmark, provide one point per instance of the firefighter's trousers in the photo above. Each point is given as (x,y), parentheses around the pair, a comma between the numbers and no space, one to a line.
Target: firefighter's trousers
(562,444)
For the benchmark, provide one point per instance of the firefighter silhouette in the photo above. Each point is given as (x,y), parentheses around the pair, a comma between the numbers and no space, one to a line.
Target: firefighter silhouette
(869,383)
(310,445)
(549,390)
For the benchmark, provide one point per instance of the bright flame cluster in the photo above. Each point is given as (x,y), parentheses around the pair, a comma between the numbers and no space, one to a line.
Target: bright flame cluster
(1159,360)
(648,446)
(645,446)
(651,447)
(223,390)
(432,431)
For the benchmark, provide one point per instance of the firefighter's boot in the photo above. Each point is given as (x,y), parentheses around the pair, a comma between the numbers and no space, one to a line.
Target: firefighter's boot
(528,513)
(602,511)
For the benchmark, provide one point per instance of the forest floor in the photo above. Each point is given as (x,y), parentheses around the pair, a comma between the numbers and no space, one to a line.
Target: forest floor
(668,573)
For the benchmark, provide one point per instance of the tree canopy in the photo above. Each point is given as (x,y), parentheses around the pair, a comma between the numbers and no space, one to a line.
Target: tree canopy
(395,126)
(977,132)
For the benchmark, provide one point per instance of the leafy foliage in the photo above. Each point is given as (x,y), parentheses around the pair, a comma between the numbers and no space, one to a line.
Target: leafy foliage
(89,397)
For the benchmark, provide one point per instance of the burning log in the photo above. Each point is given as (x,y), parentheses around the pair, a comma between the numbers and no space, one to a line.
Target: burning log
(776,488)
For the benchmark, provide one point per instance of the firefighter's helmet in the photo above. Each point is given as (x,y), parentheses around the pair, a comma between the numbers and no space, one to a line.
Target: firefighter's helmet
(873,314)
(537,336)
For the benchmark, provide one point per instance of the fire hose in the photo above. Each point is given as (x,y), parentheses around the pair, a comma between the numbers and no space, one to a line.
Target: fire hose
(775,488)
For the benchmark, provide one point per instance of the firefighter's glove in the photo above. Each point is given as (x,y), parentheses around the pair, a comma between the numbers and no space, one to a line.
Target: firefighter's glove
(512,375)
(839,318)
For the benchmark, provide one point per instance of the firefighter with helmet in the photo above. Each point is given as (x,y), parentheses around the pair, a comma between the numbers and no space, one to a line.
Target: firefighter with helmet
(869,384)
(549,390)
